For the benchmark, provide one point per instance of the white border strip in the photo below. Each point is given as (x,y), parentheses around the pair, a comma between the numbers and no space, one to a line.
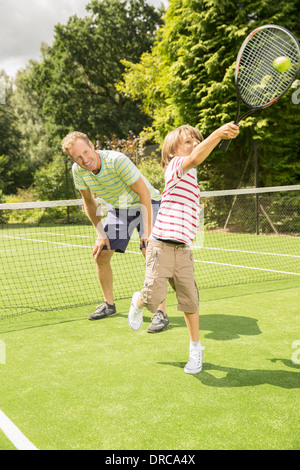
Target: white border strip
(14,434)
(245,267)
(239,192)
(203,194)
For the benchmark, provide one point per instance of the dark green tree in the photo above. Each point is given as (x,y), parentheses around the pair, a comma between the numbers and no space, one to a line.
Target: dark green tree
(76,79)
(15,170)
(191,80)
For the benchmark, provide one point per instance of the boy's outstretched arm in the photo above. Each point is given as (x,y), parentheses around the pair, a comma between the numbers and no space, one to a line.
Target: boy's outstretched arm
(202,151)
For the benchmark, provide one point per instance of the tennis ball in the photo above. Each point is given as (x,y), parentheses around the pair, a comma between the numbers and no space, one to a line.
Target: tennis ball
(282,64)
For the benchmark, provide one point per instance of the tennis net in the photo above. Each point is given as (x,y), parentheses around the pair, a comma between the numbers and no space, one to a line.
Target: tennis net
(46,263)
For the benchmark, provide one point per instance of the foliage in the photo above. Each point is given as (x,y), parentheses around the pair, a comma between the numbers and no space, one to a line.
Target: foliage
(14,168)
(132,146)
(150,167)
(34,142)
(190,73)
(54,181)
(73,87)
(76,79)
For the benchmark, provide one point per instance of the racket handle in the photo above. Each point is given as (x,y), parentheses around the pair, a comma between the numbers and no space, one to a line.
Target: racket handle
(224,145)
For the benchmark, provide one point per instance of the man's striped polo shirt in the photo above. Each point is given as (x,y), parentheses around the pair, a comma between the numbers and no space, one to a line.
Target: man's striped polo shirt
(112,182)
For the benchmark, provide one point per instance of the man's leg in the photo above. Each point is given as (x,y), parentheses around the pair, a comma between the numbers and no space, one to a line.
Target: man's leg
(105,276)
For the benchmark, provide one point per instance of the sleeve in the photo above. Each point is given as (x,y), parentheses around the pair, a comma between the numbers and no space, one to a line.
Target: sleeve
(126,170)
(79,183)
(174,171)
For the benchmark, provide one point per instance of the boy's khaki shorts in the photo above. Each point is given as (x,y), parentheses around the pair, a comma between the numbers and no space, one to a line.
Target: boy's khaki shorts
(167,262)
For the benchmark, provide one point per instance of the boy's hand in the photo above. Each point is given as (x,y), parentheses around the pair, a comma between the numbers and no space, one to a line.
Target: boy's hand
(229,131)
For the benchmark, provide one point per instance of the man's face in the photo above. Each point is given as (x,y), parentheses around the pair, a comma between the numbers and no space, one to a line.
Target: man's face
(85,155)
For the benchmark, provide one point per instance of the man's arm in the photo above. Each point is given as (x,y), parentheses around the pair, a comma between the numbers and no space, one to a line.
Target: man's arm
(90,207)
(141,189)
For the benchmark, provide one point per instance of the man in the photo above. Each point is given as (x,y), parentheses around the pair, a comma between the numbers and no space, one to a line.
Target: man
(131,202)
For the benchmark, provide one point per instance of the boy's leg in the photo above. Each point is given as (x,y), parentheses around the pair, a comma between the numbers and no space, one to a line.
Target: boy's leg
(155,287)
(188,301)
(192,323)
(135,316)
(160,320)
(194,364)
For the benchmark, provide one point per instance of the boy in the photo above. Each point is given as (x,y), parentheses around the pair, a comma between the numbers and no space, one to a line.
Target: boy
(168,255)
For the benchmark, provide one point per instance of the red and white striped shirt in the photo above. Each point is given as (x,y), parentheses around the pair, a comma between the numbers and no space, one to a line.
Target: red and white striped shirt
(179,211)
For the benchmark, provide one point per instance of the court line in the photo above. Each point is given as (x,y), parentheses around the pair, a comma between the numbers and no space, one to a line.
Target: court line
(233,265)
(14,434)
(196,261)
(246,251)
(245,267)
(45,241)
(52,233)
(136,241)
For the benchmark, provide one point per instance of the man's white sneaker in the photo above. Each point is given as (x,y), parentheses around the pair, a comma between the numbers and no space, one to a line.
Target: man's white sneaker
(135,316)
(194,364)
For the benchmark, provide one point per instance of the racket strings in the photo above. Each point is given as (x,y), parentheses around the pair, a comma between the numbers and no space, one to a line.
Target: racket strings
(259,83)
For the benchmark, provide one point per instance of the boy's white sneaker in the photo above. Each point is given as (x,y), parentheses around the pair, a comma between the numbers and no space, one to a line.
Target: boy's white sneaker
(194,364)
(135,316)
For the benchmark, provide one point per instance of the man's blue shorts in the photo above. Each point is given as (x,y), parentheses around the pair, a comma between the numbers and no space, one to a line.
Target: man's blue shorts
(120,224)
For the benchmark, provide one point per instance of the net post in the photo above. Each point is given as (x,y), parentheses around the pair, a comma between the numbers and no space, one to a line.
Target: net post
(256,185)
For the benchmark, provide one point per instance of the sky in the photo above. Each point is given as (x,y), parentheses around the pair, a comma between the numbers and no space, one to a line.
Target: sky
(25,24)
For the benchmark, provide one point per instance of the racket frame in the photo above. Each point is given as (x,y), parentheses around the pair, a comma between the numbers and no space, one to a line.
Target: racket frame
(225,143)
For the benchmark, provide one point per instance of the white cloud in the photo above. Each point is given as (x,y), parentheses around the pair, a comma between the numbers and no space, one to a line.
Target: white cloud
(25,24)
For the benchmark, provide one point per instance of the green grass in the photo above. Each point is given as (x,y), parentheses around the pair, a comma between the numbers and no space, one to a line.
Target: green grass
(73,384)
(68,383)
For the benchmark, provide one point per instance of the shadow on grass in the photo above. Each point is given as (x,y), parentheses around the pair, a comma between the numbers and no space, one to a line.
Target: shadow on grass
(221,327)
(228,327)
(227,377)
(217,327)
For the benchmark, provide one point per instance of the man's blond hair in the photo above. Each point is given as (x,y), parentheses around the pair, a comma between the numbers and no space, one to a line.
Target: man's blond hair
(70,140)
(172,140)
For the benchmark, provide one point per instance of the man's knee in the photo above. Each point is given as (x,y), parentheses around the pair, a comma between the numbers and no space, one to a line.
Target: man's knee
(104,258)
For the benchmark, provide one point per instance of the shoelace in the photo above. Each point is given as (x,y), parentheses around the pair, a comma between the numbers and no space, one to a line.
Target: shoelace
(196,354)
(157,317)
(102,307)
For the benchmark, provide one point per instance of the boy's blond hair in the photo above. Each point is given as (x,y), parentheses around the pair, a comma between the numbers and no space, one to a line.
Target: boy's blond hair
(70,140)
(172,140)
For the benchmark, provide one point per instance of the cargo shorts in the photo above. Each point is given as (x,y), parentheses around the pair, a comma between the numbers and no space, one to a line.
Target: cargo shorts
(168,262)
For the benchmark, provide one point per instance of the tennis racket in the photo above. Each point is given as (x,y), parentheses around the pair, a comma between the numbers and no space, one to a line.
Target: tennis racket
(258,84)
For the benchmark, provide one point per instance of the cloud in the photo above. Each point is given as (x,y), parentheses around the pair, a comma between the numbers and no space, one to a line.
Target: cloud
(25,24)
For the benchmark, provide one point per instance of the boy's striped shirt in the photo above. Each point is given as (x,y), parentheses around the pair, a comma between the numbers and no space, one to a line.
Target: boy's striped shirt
(178,215)
(112,183)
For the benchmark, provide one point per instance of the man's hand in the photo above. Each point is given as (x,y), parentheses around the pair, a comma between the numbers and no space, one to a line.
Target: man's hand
(99,245)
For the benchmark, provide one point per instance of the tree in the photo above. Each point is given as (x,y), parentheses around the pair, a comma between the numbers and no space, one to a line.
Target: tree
(76,79)
(31,124)
(14,169)
(191,80)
